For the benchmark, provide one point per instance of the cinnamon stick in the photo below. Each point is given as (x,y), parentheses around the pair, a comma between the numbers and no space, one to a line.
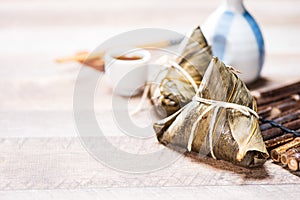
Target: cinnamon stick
(275,132)
(279,90)
(288,105)
(276,153)
(281,120)
(276,103)
(275,111)
(279,140)
(265,112)
(286,155)
(293,162)
(267,100)
(288,112)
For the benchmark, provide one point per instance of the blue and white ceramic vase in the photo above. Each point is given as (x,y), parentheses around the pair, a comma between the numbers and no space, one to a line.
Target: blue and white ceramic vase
(236,38)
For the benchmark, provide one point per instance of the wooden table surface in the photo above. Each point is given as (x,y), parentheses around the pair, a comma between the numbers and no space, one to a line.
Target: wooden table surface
(40,153)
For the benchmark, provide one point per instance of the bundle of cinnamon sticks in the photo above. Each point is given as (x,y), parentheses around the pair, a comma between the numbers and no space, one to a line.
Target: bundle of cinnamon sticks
(279,109)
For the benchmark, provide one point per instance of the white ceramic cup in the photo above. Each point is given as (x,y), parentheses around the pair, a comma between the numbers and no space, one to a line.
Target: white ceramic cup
(127,76)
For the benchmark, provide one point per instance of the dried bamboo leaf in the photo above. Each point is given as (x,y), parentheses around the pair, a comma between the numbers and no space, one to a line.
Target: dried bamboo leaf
(174,90)
(226,133)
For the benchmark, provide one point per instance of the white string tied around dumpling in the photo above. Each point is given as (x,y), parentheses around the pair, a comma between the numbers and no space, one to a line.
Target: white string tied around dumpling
(166,66)
(213,104)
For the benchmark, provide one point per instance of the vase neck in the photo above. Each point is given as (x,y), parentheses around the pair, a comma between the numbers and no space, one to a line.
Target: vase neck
(233,5)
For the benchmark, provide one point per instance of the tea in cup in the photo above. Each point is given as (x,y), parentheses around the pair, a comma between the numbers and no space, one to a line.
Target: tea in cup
(126,70)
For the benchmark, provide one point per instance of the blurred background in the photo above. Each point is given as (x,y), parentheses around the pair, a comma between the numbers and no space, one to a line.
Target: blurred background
(36,93)
(34,32)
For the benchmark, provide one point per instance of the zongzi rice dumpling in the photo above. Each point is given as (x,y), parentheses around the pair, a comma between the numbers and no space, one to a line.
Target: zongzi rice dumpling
(174,90)
(218,119)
